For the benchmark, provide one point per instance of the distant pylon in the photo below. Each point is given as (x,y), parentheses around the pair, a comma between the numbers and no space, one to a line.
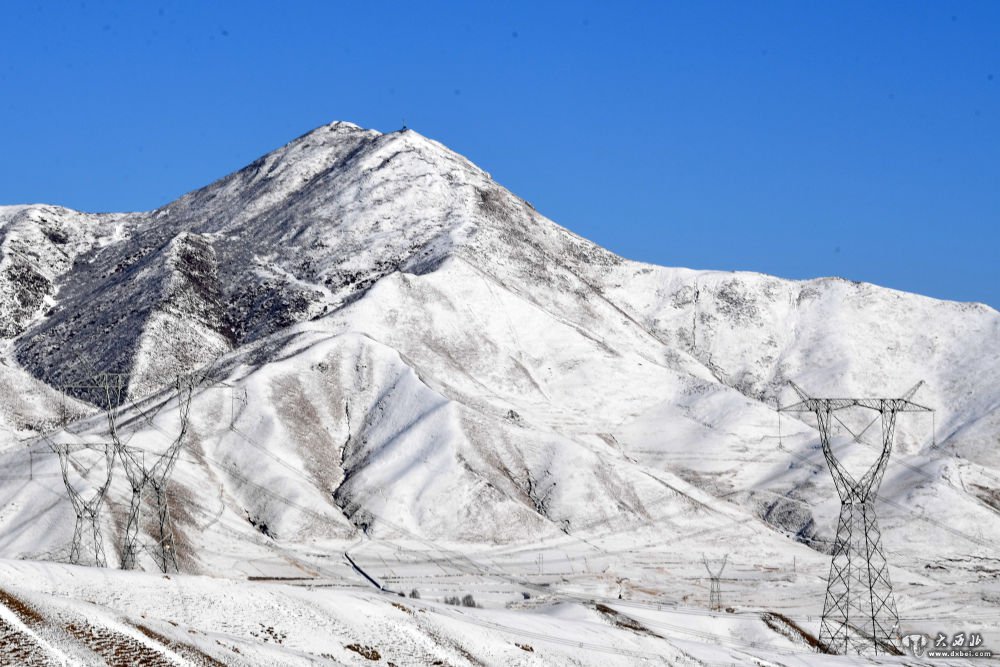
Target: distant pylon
(715,590)
(238,403)
(859,612)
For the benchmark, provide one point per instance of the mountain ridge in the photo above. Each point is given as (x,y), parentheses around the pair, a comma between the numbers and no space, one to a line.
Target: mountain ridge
(457,329)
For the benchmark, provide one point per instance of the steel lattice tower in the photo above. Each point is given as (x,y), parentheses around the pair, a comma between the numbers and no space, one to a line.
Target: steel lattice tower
(111,390)
(87,510)
(157,476)
(110,393)
(859,613)
(715,590)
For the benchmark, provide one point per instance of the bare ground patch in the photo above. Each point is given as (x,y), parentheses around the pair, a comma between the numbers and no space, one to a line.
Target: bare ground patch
(192,653)
(622,621)
(116,649)
(19,648)
(369,652)
(786,627)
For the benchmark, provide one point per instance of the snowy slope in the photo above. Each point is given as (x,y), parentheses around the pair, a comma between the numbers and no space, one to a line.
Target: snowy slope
(64,615)
(433,369)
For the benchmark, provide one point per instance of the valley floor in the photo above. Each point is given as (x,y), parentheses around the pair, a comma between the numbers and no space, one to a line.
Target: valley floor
(547,604)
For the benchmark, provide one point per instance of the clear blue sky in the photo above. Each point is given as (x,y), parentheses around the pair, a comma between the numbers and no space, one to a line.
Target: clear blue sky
(800,139)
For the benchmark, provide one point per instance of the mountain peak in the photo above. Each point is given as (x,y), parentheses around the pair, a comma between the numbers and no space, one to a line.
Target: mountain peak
(294,235)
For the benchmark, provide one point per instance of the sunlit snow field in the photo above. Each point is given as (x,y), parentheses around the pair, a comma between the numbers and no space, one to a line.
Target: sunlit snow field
(418,383)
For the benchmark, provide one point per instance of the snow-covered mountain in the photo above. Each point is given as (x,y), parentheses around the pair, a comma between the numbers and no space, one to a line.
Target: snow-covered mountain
(434,368)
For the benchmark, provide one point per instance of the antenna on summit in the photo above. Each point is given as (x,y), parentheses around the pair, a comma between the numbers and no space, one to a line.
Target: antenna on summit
(404,129)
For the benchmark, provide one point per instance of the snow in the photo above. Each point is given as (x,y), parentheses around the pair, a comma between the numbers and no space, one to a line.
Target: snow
(466,398)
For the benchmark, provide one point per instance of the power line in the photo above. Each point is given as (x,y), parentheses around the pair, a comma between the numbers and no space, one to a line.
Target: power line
(299,506)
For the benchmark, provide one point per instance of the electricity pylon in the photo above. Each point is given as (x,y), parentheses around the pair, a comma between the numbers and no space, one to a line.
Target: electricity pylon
(715,591)
(135,473)
(238,403)
(88,510)
(157,476)
(111,390)
(859,612)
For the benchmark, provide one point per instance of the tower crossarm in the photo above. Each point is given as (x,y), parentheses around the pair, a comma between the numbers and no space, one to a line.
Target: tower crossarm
(833,404)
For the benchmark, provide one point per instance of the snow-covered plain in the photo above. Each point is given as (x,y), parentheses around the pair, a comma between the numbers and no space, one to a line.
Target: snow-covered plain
(447,393)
